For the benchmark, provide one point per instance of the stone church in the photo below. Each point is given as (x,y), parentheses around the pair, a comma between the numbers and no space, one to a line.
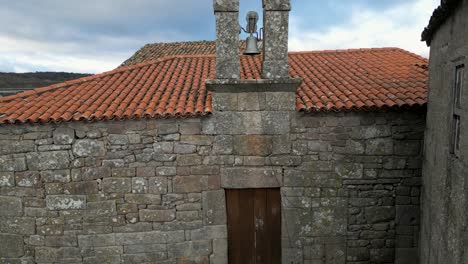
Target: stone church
(196,153)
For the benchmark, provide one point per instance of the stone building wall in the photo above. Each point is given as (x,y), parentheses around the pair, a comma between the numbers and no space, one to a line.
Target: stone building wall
(444,236)
(151,191)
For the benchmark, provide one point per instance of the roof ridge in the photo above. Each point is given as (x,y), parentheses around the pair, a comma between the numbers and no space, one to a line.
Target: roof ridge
(289,52)
(359,50)
(414,55)
(178,42)
(345,50)
(53,87)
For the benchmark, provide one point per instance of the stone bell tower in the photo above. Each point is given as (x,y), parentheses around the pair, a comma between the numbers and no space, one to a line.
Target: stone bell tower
(275,44)
(254,116)
(253,112)
(252,106)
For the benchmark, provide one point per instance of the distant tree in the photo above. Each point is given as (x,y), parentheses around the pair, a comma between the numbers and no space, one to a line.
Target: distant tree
(36,79)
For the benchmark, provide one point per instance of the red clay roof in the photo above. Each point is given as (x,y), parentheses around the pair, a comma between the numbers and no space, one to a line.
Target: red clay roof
(339,80)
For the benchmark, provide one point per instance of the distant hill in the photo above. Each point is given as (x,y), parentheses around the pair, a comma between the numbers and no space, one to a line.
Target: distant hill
(32,80)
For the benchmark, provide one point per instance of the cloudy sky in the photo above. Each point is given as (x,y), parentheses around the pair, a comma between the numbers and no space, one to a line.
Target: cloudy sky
(93,36)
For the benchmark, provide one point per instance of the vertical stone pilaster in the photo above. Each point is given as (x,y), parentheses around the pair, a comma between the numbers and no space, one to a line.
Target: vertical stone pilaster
(227,39)
(275,44)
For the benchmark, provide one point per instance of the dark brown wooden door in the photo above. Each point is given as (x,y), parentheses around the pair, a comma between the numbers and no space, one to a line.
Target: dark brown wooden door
(254,226)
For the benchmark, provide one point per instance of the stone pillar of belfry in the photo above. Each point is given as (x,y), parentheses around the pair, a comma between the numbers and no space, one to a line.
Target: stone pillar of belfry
(275,43)
(227,39)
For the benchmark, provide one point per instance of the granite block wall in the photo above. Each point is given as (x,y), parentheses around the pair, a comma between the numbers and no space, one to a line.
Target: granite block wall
(152,191)
(444,236)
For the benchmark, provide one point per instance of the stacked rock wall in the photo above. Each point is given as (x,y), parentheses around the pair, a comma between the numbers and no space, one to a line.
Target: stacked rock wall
(152,191)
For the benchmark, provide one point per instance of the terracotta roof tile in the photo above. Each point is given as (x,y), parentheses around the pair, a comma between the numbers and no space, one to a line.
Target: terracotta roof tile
(159,50)
(174,86)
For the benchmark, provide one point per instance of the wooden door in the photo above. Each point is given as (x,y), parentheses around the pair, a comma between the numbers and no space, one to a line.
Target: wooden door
(254,226)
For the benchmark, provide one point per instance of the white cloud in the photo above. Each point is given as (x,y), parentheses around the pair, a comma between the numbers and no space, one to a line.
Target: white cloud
(90,36)
(58,62)
(23,55)
(399,26)
(103,54)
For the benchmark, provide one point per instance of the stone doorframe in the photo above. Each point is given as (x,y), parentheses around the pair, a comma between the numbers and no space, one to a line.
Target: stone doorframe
(214,202)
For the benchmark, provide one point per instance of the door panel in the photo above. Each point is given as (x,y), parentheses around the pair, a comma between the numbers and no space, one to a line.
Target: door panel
(260,239)
(254,226)
(273,224)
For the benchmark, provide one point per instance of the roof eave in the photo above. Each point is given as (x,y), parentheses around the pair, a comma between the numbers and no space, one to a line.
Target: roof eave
(438,18)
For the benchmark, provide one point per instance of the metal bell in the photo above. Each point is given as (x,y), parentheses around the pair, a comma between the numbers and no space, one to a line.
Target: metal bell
(251,47)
